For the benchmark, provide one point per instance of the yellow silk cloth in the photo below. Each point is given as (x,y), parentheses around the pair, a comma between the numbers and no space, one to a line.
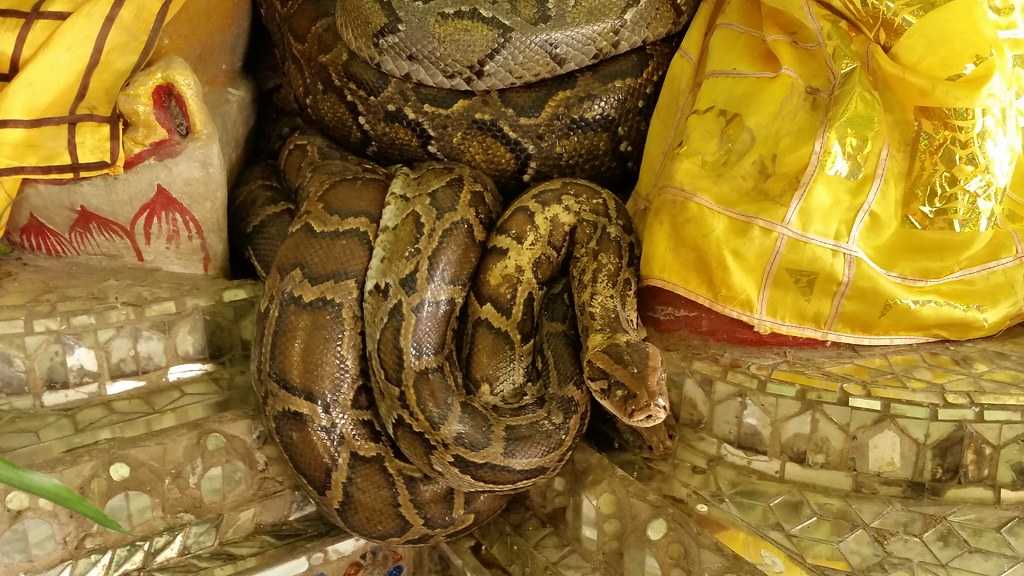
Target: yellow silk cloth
(62,65)
(842,169)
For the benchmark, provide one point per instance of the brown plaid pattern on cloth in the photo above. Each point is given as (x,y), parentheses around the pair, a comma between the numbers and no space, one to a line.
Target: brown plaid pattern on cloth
(66,61)
(27,19)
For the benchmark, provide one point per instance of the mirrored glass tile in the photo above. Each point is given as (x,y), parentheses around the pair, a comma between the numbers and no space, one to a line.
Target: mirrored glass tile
(957,413)
(904,522)
(877,362)
(990,432)
(985,563)
(720,391)
(825,529)
(695,407)
(1017,570)
(27,540)
(806,379)
(908,547)
(164,308)
(12,326)
(821,554)
(833,479)
(53,324)
(119,345)
(759,515)
(13,367)
(1014,534)
(93,564)
(945,543)
(910,410)
(957,398)
(861,550)
(833,507)
(865,403)
(795,435)
(166,547)
(921,396)
(152,347)
(1005,376)
(1003,416)
(1015,399)
(755,427)
(983,538)
(781,389)
(725,422)
(189,336)
(126,560)
(792,511)
(741,379)
(935,375)
(862,419)
(983,516)
(973,494)
(714,370)
(856,372)
(965,386)
(840,415)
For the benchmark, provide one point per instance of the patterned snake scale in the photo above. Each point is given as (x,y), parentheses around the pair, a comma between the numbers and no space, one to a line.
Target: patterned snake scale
(422,351)
(588,123)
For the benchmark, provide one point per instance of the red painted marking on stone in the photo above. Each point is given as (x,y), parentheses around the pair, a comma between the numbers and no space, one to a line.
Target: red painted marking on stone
(170,216)
(89,228)
(37,236)
(171,112)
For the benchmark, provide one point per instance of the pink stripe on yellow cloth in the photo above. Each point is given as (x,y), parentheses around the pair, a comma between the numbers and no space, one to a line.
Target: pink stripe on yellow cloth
(842,169)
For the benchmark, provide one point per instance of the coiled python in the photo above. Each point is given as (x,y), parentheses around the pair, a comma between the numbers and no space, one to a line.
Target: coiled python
(588,121)
(417,358)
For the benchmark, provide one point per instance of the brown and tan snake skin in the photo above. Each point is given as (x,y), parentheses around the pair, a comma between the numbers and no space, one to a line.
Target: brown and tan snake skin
(409,456)
(432,235)
(499,44)
(420,352)
(588,123)
(308,362)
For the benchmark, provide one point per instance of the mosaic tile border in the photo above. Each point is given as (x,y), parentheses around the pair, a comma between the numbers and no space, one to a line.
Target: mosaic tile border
(206,471)
(820,530)
(832,416)
(111,331)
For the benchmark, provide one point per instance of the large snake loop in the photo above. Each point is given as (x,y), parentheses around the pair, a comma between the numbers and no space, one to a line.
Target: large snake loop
(309,364)
(433,231)
(501,43)
(422,353)
(589,123)
(413,457)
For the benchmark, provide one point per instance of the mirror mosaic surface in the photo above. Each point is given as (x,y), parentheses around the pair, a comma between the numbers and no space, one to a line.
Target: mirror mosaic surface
(838,460)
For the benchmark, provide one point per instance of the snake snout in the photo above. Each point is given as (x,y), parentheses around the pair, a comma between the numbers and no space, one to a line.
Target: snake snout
(650,413)
(627,379)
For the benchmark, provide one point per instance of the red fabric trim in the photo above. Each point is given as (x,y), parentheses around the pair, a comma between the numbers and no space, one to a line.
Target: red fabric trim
(665,311)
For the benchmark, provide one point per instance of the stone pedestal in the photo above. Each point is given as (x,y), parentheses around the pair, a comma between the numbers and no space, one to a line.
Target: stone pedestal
(132,387)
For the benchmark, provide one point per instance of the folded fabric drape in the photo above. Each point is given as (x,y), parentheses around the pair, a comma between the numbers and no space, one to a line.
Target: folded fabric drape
(62,65)
(842,169)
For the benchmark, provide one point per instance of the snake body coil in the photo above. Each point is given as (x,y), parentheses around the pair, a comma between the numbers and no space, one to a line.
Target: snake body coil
(420,352)
(587,123)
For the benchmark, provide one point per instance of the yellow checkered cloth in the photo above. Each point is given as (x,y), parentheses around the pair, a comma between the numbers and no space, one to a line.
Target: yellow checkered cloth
(842,169)
(62,65)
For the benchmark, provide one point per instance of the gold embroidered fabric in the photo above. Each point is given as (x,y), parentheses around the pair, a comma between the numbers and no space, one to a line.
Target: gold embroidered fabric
(842,169)
(62,65)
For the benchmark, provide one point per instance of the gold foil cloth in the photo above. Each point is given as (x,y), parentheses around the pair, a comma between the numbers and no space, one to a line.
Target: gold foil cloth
(842,169)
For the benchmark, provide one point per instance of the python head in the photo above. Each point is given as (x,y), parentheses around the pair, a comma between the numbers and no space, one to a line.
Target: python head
(626,377)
